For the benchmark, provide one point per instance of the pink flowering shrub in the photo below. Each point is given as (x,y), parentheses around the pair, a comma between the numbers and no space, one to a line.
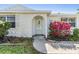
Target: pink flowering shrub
(60,29)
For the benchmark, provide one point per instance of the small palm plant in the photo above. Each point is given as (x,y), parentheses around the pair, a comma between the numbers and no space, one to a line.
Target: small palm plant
(4,26)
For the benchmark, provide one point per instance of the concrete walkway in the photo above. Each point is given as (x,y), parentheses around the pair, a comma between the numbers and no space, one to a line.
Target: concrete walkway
(41,45)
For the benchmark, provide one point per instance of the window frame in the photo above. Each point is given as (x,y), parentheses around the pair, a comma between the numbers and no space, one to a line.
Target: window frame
(68,20)
(6,19)
(13,26)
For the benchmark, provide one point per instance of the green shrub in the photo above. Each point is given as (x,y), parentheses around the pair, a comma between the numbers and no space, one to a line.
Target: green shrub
(76,32)
(4,26)
(75,36)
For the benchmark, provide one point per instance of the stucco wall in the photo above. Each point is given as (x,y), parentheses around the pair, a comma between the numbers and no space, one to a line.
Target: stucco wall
(24,25)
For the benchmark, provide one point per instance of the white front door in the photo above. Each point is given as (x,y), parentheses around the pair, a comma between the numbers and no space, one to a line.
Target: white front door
(38,26)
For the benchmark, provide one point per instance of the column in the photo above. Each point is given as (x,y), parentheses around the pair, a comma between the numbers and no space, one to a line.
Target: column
(77,20)
(46,32)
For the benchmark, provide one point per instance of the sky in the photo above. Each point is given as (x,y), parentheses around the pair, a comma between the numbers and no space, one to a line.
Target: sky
(51,7)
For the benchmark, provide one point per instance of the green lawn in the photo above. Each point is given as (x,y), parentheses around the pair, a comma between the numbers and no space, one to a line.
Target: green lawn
(16,48)
(11,49)
(29,47)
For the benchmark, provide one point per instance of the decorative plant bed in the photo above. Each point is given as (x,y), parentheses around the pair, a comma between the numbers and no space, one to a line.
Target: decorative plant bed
(65,44)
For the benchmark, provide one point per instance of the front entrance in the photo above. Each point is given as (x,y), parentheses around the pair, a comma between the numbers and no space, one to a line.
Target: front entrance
(37,25)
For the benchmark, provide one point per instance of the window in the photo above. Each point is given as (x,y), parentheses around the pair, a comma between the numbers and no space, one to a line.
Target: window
(64,19)
(69,20)
(11,19)
(72,21)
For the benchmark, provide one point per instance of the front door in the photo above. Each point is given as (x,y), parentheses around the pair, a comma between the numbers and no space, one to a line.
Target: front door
(38,26)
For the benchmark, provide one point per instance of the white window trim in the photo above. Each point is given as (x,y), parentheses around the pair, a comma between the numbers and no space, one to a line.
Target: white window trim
(70,22)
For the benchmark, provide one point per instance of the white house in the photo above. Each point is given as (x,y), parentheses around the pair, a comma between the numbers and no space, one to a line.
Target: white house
(27,22)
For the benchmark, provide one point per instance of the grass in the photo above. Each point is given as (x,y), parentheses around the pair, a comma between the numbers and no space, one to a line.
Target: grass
(16,48)
(29,47)
(11,49)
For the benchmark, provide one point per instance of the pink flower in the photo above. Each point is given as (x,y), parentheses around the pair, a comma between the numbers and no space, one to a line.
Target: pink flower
(60,28)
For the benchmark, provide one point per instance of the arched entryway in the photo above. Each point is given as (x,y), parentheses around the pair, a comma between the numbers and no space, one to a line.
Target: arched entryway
(38,25)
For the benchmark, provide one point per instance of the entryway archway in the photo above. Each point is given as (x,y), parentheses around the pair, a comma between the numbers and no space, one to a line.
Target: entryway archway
(38,25)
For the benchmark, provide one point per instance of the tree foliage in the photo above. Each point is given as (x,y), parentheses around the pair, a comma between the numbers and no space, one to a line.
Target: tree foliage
(4,26)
